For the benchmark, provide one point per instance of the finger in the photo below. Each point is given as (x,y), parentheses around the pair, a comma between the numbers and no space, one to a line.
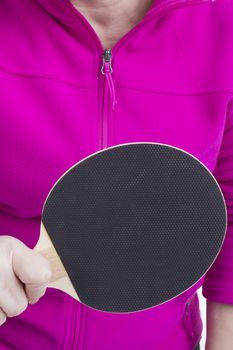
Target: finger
(34,292)
(13,302)
(30,267)
(13,299)
(3,317)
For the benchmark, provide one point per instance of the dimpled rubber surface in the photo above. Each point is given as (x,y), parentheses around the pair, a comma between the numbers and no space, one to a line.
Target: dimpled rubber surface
(135,225)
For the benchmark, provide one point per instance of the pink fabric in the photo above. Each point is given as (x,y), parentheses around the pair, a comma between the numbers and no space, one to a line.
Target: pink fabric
(173,80)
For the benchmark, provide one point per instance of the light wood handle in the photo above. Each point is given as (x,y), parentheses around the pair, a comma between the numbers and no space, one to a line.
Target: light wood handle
(60,278)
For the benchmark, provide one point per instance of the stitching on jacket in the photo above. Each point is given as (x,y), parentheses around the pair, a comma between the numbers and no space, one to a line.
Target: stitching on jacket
(82,332)
(185,54)
(177,92)
(50,77)
(123,85)
(63,339)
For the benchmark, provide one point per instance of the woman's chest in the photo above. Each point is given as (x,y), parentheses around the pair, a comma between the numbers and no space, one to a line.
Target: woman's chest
(51,126)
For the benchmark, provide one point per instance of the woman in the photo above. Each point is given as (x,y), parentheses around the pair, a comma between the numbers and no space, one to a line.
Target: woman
(171,81)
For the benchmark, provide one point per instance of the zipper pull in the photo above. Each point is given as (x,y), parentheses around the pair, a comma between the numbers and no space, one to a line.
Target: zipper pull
(107,71)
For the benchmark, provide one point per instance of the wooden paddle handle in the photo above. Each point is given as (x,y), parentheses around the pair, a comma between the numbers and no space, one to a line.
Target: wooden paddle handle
(60,278)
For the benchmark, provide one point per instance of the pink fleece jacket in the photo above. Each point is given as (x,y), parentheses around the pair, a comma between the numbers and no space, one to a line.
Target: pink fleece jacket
(171,82)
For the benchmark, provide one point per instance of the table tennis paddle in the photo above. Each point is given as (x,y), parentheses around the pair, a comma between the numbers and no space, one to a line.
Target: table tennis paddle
(132,226)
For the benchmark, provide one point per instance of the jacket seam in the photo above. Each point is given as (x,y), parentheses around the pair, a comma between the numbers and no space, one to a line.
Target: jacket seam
(229,112)
(63,339)
(77,323)
(220,145)
(203,92)
(44,76)
(123,85)
(75,332)
(185,54)
(82,332)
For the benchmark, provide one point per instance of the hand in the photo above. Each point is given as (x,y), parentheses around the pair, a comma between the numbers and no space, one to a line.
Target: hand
(24,276)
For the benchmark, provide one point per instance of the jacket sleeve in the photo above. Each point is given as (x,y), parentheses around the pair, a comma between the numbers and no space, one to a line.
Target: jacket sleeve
(218,283)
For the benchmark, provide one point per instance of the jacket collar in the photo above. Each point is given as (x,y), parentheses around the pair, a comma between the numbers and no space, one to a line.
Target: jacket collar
(67,13)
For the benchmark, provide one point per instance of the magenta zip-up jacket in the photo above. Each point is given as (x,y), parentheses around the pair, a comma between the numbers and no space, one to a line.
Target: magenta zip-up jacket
(168,80)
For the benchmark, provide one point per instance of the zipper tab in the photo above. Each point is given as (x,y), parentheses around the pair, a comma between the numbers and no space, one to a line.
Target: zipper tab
(107,57)
(107,71)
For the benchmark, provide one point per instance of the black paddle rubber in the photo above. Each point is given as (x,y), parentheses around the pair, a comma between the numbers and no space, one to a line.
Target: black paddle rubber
(135,225)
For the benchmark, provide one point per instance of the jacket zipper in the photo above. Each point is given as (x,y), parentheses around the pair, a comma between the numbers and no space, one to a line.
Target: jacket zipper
(107,70)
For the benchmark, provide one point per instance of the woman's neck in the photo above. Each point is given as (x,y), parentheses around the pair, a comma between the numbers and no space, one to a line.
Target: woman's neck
(111,19)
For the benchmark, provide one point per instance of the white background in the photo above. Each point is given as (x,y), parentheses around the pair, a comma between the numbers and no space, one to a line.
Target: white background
(202,301)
